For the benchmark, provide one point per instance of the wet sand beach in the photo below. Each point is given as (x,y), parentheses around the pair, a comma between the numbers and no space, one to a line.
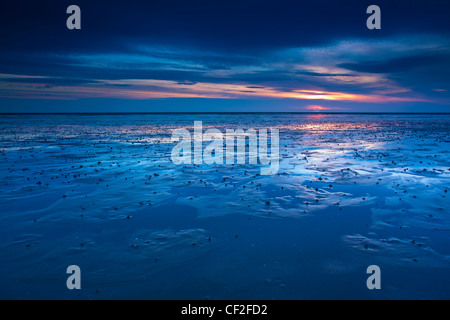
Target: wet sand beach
(101,192)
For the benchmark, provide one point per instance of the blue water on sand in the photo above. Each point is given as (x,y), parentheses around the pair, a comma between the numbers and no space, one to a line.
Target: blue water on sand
(101,192)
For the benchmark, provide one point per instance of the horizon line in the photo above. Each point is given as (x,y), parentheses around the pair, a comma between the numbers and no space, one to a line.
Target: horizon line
(206,112)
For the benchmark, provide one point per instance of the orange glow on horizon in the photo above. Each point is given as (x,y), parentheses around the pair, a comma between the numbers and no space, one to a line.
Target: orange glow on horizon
(141,89)
(316,108)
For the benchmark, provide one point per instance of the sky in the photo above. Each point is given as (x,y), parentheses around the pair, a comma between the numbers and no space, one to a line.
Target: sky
(225,56)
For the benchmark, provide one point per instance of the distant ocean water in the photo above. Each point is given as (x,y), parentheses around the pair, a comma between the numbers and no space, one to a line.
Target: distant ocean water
(100,192)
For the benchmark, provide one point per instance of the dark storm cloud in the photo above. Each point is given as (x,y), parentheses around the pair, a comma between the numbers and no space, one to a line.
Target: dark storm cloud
(50,81)
(244,25)
(399,64)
